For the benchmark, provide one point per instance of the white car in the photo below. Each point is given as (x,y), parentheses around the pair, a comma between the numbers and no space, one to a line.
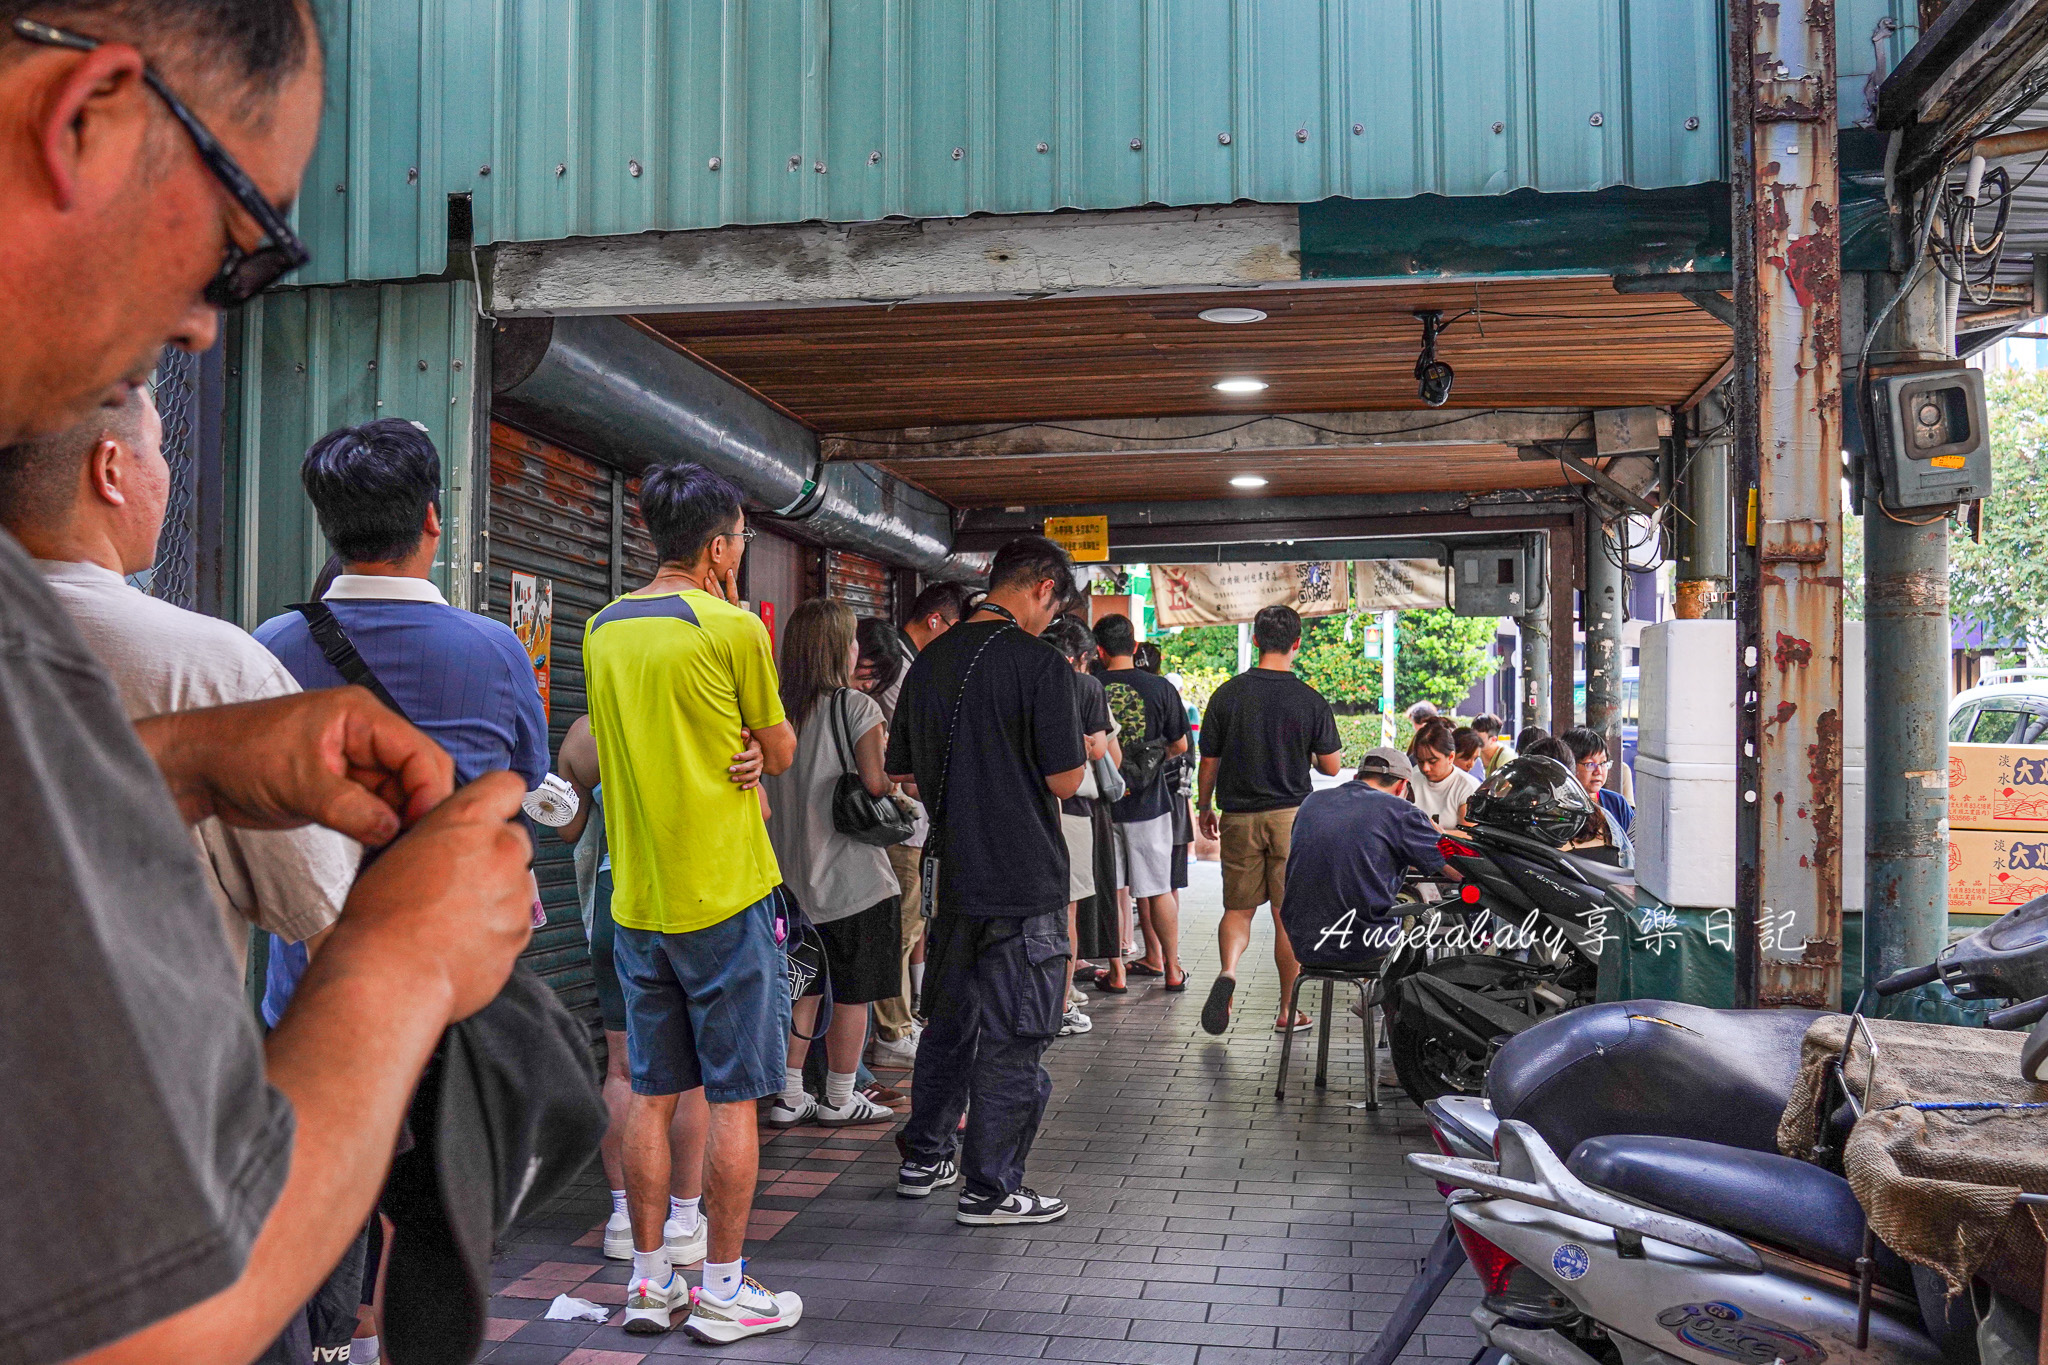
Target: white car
(2009,707)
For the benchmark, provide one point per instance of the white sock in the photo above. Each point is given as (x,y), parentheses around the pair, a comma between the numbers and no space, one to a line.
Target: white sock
(792,1088)
(618,1202)
(684,1211)
(838,1089)
(917,978)
(364,1351)
(723,1281)
(652,1265)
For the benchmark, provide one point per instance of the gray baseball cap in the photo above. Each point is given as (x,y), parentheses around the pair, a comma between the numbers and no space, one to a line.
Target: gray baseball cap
(1386,763)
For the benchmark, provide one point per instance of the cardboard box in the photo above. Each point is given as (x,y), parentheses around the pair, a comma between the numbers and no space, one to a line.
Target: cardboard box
(1991,872)
(1998,786)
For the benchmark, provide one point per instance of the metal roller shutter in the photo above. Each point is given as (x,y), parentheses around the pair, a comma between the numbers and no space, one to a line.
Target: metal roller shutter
(551,515)
(866,585)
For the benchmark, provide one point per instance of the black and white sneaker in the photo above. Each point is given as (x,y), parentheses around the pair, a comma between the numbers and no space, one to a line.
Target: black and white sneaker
(915,1179)
(1019,1206)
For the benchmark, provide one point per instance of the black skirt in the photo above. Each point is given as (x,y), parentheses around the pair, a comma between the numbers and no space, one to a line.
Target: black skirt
(1095,917)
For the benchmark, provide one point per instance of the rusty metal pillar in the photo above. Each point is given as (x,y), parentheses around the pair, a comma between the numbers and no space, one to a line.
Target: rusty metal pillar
(1534,628)
(1564,581)
(1788,475)
(1606,586)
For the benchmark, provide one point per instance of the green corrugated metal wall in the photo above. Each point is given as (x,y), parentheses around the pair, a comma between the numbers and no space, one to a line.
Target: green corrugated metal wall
(937,107)
(311,360)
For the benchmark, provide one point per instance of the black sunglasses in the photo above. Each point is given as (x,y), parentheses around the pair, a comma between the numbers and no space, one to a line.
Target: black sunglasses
(243,274)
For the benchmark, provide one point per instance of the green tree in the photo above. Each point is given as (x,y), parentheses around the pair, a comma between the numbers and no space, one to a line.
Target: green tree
(1852,568)
(2003,582)
(1335,666)
(1200,649)
(1439,655)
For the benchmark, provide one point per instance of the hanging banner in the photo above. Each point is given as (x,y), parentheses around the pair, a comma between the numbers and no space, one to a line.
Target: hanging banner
(1226,594)
(533,621)
(1400,585)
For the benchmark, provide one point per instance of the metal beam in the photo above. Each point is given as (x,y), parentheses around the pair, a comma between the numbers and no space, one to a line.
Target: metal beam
(1148,542)
(1613,487)
(1254,512)
(1210,434)
(1262,552)
(1963,23)
(898,260)
(1979,81)
(1787,242)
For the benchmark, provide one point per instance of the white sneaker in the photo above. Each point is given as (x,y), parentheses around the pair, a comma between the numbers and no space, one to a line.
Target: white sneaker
(618,1238)
(780,1115)
(752,1312)
(648,1305)
(858,1111)
(897,1051)
(1075,1022)
(685,1249)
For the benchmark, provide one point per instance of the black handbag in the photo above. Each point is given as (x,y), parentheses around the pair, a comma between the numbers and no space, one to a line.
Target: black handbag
(880,821)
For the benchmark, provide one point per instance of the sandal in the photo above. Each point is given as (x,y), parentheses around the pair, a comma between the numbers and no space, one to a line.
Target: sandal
(1176,986)
(1301,1023)
(1140,967)
(1105,987)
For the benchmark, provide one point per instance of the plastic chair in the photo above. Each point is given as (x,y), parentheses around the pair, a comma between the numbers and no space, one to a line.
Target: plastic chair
(1368,977)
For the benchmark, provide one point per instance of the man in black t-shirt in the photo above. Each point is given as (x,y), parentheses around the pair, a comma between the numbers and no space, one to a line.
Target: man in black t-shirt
(988,731)
(1262,730)
(1151,715)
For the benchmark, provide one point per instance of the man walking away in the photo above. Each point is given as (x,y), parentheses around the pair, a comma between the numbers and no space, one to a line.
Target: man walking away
(680,678)
(1261,732)
(935,611)
(988,729)
(1153,725)
(1352,846)
(103,488)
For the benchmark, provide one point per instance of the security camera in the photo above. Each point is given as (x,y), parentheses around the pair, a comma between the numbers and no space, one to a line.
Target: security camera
(1432,376)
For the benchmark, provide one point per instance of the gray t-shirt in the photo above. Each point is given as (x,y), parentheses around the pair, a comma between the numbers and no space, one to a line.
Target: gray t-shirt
(140,1146)
(833,877)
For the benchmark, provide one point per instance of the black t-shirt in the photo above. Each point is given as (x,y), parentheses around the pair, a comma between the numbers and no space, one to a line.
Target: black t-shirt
(995,827)
(1094,705)
(1265,726)
(1147,706)
(1346,855)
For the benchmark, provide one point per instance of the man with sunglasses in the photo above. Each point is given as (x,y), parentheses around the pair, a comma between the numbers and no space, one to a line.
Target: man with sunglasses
(175,1187)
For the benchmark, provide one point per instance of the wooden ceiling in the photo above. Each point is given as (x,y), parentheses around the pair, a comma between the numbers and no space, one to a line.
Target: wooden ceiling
(1537,342)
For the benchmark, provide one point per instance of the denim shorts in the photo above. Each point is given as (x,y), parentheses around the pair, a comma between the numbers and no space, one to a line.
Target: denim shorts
(709,1008)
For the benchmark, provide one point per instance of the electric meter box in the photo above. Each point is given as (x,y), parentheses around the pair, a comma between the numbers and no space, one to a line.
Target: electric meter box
(1933,438)
(1489,582)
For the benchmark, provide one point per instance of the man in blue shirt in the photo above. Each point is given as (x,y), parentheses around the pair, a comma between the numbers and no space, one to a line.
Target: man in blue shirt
(1350,849)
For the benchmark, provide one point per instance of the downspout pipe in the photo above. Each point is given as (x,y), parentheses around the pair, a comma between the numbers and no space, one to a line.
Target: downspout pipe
(603,386)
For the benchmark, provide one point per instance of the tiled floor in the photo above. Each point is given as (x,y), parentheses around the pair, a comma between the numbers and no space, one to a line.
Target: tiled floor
(1211,1225)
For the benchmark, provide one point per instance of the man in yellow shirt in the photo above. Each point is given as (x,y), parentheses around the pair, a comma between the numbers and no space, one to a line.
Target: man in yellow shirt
(681,678)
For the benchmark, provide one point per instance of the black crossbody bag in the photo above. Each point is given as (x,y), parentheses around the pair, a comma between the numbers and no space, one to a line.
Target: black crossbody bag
(341,652)
(879,821)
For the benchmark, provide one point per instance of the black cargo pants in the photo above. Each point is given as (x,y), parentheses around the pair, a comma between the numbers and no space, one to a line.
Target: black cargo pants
(994,993)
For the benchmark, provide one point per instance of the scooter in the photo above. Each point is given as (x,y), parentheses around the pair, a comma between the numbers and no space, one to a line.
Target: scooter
(1544,914)
(1650,1245)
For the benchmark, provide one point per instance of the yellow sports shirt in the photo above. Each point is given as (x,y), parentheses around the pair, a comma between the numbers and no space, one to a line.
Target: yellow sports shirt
(672,679)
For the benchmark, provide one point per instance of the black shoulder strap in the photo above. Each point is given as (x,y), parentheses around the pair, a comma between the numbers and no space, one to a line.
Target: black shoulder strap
(341,651)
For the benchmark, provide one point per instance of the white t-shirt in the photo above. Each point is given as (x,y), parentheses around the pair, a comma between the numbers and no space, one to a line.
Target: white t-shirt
(1440,801)
(832,876)
(164,658)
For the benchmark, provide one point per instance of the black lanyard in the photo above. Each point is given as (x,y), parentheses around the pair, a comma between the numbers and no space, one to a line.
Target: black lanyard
(1003,612)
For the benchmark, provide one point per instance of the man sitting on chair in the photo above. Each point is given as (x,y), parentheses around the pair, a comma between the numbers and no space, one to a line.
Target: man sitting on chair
(1351,847)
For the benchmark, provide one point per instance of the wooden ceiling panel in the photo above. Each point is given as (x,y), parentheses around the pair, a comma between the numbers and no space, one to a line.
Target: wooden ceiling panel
(1536,342)
(1130,477)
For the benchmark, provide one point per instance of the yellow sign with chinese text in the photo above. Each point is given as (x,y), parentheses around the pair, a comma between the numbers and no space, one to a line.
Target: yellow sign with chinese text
(1085,538)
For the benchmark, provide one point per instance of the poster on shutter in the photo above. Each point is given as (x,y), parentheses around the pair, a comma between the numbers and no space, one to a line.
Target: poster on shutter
(1400,585)
(1225,594)
(533,621)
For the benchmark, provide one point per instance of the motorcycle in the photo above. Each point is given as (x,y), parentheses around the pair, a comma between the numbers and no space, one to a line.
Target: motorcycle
(1675,1231)
(1541,915)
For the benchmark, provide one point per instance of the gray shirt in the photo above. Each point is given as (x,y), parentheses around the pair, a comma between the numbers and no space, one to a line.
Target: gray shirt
(140,1146)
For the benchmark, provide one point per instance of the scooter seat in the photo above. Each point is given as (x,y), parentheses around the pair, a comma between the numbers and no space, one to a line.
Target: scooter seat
(1652,1067)
(1773,1199)
(1604,874)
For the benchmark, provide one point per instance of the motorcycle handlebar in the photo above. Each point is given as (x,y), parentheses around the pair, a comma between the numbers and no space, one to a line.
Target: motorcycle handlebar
(1908,979)
(2018,1016)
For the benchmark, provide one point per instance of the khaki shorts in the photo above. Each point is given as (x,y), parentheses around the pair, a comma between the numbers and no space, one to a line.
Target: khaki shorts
(1255,857)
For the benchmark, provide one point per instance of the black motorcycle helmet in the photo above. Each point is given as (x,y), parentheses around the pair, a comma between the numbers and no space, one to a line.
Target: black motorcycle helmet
(1535,796)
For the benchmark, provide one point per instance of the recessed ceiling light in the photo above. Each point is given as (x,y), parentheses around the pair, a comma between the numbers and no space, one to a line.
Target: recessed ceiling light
(1240,386)
(1247,481)
(1231,315)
